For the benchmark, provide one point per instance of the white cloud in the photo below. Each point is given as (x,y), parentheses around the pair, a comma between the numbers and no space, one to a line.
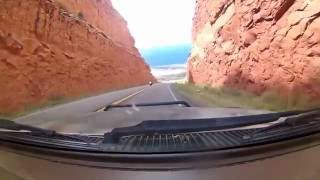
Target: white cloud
(158,22)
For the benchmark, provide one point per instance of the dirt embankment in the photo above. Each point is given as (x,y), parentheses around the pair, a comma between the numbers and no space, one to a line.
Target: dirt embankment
(65,48)
(257,46)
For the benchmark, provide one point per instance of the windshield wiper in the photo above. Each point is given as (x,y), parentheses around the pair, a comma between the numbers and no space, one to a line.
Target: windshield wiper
(291,121)
(13,126)
(36,131)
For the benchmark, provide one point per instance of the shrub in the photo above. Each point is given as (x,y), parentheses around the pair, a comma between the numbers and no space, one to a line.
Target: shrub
(80,15)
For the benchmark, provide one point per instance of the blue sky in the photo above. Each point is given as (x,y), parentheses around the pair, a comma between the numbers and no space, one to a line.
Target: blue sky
(158,23)
(167,55)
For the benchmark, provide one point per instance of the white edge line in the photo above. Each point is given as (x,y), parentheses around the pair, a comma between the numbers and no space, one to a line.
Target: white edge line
(170,90)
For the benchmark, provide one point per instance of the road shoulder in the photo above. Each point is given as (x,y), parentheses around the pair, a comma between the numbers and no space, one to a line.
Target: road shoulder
(192,100)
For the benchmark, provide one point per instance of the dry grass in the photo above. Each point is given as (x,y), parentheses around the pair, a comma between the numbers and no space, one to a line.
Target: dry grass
(226,97)
(5,175)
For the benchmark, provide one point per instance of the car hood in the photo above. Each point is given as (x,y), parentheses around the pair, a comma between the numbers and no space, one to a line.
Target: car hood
(101,122)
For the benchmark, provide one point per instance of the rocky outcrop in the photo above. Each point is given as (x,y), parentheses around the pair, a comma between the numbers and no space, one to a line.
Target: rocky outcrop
(257,45)
(101,15)
(52,49)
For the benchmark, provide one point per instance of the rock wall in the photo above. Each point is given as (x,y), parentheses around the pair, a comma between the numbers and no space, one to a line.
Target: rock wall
(257,45)
(103,16)
(52,49)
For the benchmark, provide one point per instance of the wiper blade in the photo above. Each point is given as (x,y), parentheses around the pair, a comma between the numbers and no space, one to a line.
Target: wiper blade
(36,131)
(292,121)
(11,125)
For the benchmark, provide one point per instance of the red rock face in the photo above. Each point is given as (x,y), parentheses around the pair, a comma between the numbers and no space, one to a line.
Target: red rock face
(257,45)
(103,16)
(51,49)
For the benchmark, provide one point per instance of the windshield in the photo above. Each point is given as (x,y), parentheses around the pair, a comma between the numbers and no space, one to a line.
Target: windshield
(154,79)
(72,61)
(92,66)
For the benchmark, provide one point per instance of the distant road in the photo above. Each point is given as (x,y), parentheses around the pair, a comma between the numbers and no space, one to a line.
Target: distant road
(159,92)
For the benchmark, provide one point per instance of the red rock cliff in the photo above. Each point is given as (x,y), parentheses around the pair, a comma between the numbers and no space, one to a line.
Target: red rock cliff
(257,45)
(63,48)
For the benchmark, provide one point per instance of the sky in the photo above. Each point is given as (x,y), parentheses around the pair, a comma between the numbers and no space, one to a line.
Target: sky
(158,23)
(167,55)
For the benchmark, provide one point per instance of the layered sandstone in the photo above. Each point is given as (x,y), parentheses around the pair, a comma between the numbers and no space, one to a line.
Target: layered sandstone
(257,45)
(103,16)
(52,49)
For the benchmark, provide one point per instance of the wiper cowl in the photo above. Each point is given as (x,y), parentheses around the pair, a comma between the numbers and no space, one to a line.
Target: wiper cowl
(185,126)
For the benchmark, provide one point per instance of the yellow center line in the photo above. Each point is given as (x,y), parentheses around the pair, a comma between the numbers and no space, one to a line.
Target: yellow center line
(122,100)
(126,98)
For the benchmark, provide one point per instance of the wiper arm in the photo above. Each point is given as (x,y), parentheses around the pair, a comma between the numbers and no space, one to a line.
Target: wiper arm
(148,104)
(290,121)
(11,125)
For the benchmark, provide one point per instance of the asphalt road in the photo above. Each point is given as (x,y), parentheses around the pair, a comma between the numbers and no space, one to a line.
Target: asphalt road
(86,105)
(87,115)
(159,92)
(78,112)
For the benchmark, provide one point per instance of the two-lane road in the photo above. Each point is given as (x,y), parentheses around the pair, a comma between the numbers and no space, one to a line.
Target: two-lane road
(159,92)
(84,112)
(82,116)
